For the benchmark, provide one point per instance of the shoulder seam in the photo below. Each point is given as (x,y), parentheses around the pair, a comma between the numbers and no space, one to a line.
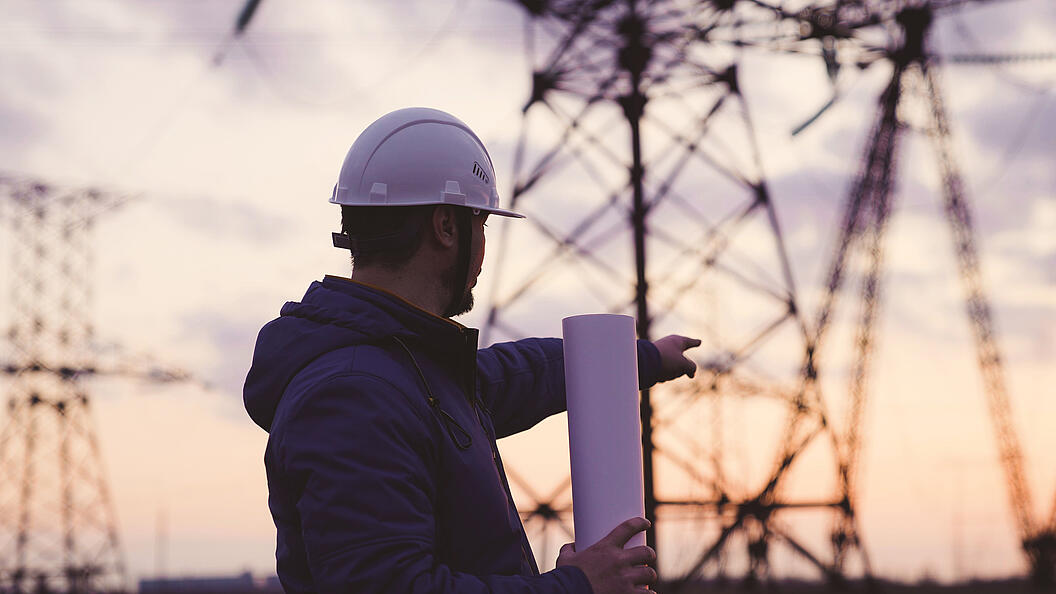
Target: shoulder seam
(371,376)
(379,379)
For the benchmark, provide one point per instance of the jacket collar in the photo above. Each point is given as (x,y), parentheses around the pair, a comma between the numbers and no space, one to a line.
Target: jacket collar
(449,343)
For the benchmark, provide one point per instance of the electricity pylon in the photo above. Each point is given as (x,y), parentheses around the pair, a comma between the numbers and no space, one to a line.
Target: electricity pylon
(651,111)
(57,521)
(58,526)
(607,69)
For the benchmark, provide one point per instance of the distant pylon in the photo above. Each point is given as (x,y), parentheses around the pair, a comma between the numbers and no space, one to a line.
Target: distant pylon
(58,528)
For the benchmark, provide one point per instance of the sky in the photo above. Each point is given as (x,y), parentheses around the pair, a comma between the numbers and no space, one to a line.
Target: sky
(229,163)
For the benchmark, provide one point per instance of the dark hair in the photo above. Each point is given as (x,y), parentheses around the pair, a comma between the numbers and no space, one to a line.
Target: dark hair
(371,222)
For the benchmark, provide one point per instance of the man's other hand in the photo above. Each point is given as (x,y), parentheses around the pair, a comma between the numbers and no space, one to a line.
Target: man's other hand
(609,567)
(673,361)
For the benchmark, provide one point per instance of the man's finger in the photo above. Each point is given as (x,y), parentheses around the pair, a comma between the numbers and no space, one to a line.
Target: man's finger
(641,575)
(690,368)
(568,547)
(639,555)
(623,533)
(688,343)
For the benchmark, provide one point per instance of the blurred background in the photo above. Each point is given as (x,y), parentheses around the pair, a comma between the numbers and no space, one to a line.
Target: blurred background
(853,204)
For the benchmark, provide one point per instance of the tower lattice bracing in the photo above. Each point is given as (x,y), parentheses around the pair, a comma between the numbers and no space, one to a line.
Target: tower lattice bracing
(639,167)
(58,529)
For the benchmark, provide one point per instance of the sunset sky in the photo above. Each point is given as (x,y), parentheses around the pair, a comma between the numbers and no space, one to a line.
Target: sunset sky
(232,164)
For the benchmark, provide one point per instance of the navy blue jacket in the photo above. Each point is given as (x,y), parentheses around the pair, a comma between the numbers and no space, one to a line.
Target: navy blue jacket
(382,467)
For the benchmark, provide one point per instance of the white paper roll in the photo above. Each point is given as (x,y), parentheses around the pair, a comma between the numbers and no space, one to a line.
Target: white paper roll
(604,425)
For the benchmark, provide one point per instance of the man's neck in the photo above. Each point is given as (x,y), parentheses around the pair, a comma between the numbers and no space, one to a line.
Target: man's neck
(421,290)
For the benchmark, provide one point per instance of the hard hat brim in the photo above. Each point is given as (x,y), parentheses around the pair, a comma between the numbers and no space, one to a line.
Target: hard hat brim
(499,211)
(502,212)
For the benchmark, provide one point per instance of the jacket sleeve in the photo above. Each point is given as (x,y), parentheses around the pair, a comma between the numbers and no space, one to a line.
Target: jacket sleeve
(360,454)
(523,382)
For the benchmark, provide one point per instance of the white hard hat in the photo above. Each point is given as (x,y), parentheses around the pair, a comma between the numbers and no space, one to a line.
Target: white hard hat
(418,156)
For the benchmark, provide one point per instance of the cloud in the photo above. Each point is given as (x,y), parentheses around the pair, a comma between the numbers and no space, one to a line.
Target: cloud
(995,28)
(1015,130)
(240,221)
(21,126)
(227,343)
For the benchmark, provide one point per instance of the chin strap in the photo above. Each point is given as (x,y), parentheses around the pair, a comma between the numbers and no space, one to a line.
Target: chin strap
(463,220)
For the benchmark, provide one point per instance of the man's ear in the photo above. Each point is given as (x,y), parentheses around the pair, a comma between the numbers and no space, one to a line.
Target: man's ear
(444,227)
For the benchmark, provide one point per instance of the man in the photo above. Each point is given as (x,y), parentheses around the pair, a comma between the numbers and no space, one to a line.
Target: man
(382,466)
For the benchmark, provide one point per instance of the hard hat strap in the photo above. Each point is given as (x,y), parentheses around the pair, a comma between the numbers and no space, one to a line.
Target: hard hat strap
(380,243)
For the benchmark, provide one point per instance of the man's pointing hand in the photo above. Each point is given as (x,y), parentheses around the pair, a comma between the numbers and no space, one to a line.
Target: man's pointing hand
(673,361)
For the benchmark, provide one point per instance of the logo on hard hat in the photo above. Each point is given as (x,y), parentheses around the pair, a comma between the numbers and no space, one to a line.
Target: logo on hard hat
(479,172)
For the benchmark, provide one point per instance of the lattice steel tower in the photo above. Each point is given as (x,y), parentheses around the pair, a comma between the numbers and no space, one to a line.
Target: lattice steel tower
(58,528)
(648,105)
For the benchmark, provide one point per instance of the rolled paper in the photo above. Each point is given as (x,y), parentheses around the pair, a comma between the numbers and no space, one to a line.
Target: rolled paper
(604,425)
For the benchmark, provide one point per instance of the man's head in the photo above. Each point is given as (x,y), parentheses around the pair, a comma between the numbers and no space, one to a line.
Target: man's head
(414,190)
(430,243)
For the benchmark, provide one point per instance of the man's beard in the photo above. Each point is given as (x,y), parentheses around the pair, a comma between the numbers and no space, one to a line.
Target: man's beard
(464,304)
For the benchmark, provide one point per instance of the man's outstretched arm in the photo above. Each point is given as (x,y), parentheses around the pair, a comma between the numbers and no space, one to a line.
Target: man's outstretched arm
(523,382)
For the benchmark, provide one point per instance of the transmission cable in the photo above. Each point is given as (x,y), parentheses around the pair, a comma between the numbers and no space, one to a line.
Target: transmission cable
(1026,125)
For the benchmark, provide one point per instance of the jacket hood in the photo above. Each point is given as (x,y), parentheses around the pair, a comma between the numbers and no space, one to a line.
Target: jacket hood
(334,313)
